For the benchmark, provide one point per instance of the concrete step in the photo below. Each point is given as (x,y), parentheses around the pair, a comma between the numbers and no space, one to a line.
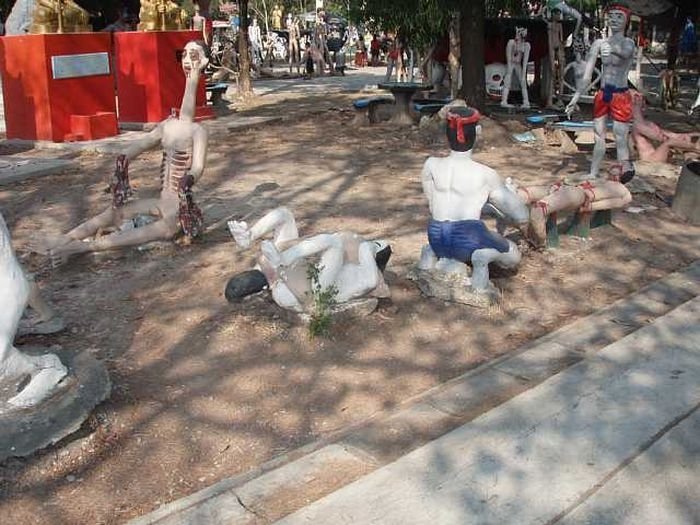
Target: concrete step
(543,456)
(288,482)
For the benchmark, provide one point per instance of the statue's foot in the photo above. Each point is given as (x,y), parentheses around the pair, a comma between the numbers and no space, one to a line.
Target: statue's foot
(526,105)
(57,257)
(44,245)
(37,326)
(506,105)
(240,232)
(45,378)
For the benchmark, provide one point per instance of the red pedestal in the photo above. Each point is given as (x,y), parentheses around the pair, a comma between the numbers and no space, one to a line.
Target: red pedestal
(41,107)
(150,80)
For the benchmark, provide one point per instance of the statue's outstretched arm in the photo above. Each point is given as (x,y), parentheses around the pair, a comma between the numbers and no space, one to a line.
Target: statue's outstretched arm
(509,203)
(146,143)
(199,151)
(427,181)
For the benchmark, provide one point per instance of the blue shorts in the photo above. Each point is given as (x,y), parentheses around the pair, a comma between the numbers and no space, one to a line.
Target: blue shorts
(459,239)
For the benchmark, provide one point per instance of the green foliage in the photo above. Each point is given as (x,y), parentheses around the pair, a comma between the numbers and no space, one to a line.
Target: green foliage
(323,302)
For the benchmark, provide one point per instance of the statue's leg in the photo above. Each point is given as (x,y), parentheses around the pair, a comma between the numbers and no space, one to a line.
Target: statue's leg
(87,229)
(483,256)
(599,132)
(358,280)
(621,130)
(279,221)
(163,229)
(610,196)
(522,76)
(506,88)
(428,259)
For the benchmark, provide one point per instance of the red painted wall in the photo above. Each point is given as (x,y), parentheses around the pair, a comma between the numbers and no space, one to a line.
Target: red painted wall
(37,107)
(150,80)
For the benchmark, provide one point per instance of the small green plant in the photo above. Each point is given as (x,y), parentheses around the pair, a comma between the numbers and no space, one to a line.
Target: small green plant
(323,302)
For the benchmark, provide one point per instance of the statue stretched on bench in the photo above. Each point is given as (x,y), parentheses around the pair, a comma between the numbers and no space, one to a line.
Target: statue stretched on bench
(45,371)
(345,261)
(586,197)
(457,188)
(184,144)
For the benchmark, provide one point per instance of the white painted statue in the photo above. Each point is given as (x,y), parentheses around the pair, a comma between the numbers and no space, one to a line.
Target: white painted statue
(613,98)
(345,261)
(184,144)
(457,187)
(45,371)
(517,55)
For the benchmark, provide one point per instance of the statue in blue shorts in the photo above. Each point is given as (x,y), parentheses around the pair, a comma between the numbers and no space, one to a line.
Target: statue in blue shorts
(457,187)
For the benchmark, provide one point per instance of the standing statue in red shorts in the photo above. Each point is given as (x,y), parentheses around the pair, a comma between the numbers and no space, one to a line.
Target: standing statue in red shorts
(613,99)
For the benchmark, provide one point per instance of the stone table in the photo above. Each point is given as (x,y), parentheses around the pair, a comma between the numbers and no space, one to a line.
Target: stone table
(403,93)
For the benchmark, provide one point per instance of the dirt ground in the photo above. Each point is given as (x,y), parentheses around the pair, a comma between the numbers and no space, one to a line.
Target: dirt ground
(204,390)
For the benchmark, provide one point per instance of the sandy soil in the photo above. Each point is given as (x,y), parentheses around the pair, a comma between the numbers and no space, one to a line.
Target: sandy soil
(204,390)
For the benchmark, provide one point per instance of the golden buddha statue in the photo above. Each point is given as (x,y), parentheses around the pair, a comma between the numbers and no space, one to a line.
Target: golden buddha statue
(59,16)
(161,15)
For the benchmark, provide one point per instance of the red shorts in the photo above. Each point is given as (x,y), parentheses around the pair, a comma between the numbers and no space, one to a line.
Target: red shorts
(619,108)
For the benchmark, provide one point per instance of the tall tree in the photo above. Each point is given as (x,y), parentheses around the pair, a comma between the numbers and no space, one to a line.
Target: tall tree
(245,86)
(472,36)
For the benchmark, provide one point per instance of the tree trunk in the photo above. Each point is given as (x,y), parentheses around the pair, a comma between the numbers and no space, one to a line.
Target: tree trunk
(245,86)
(455,51)
(471,32)
(204,8)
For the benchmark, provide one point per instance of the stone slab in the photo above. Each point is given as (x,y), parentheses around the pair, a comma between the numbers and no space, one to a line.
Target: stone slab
(23,431)
(13,169)
(388,438)
(244,504)
(534,456)
(452,287)
(659,486)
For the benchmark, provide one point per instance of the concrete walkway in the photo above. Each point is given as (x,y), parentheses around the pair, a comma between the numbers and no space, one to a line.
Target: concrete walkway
(584,399)
(610,440)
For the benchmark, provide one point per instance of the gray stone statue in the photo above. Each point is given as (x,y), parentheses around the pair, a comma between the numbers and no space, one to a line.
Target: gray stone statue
(616,53)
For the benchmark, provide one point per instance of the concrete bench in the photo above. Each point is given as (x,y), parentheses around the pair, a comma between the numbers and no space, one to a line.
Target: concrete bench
(216,92)
(366,109)
(429,106)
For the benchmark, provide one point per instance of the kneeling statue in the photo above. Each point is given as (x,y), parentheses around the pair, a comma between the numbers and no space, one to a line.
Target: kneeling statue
(457,188)
(184,144)
(351,266)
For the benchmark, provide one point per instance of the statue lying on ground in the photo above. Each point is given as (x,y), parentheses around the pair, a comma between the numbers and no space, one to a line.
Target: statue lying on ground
(184,144)
(645,133)
(457,188)
(45,371)
(345,262)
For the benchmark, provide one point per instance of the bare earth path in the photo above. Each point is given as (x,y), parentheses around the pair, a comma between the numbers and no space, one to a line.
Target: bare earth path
(204,390)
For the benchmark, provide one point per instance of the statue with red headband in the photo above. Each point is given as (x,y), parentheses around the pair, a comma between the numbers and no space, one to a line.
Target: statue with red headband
(457,187)
(613,98)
